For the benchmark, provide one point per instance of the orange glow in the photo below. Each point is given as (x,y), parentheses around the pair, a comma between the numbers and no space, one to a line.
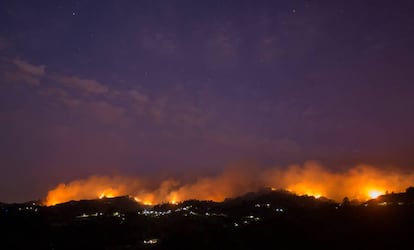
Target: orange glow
(137,199)
(174,198)
(91,188)
(145,202)
(108,193)
(308,193)
(306,189)
(373,194)
(361,182)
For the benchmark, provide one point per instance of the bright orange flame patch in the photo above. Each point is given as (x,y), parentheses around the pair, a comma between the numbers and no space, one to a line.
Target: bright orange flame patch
(373,194)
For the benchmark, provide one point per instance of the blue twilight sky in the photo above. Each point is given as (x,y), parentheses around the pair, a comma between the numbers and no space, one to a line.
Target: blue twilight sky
(187,87)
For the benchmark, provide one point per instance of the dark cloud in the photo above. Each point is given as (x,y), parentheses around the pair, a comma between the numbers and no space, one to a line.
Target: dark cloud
(27,68)
(86,86)
(20,71)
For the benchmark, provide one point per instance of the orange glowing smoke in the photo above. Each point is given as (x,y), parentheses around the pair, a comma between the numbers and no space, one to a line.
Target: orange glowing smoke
(361,182)
(93,187)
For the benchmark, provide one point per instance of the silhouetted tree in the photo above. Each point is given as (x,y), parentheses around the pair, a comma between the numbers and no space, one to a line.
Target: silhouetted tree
(345,202)
(410,190)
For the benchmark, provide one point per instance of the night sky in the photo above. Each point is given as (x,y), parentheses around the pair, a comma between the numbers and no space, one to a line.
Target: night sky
(188,87)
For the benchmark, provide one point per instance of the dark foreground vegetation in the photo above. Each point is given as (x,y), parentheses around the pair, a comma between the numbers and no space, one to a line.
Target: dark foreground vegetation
(263,220)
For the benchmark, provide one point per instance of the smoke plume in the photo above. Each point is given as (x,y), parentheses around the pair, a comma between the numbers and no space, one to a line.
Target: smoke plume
(361,182)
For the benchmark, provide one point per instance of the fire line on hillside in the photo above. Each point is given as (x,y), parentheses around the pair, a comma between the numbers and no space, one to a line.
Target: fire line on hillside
(361,182)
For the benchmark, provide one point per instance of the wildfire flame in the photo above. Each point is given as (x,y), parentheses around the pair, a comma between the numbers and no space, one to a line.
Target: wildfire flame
(108,193)
(373,194)
(361,182)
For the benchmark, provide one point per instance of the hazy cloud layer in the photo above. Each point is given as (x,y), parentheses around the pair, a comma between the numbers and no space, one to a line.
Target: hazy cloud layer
(86,86)
(20,71)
